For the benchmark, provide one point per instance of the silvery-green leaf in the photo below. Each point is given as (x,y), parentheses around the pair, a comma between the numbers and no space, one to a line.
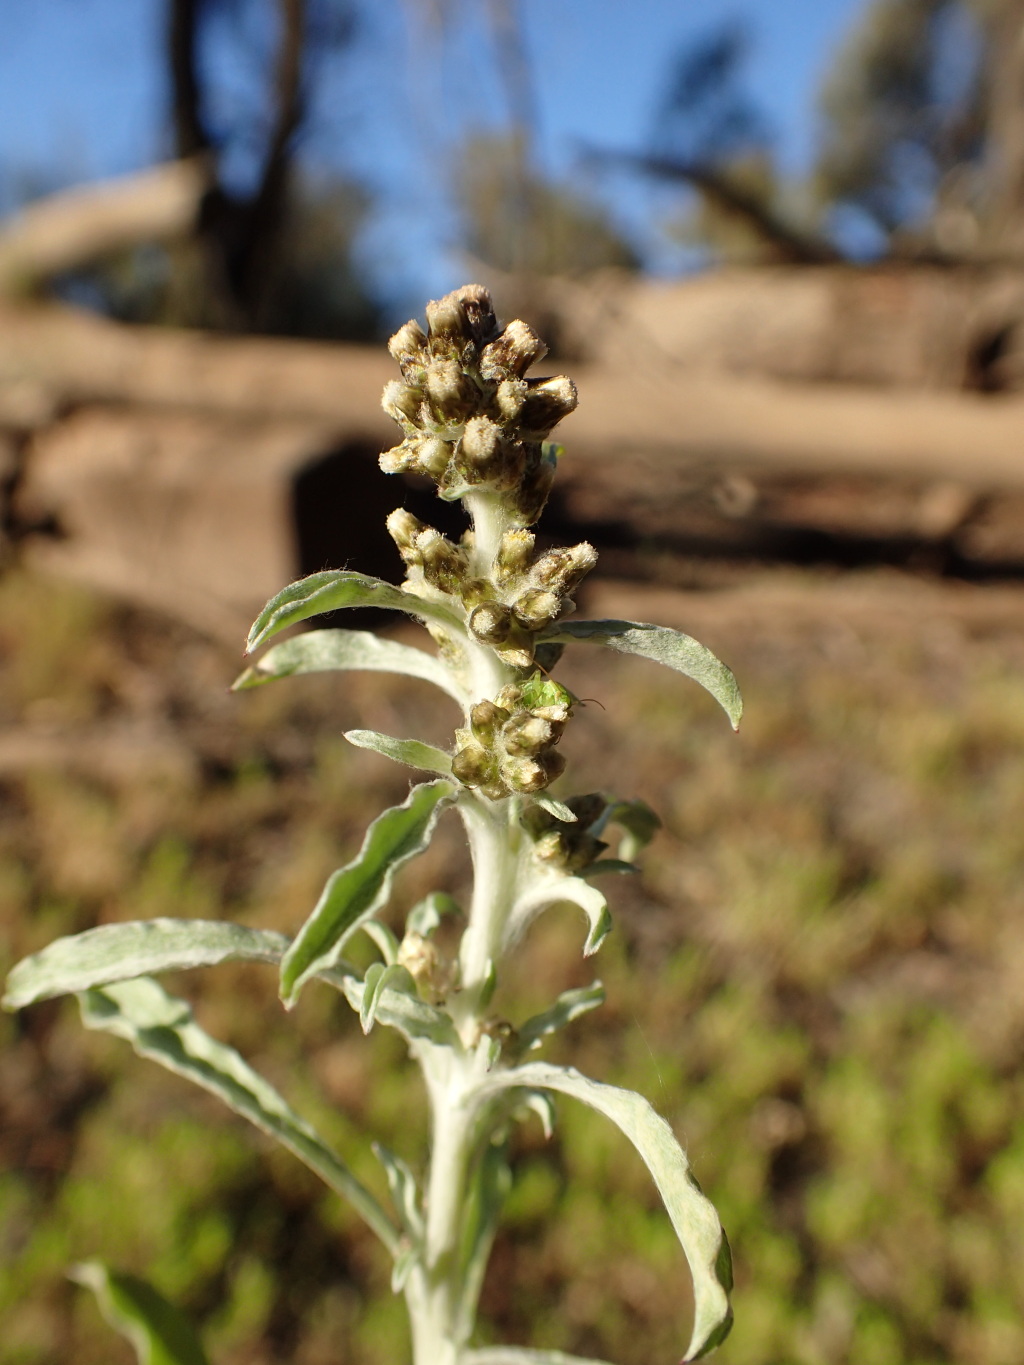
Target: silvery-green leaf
(556,808)
(404,1264)
(405,1193)
(488,1188)
(357,890)
(638,822)
(118,952)
(692,1214)
(540,1103)
(378,979)
(323,651)
(547,889)
(383,938)
(608,865)
(412,752)
(425,917)
(662,646)
(569,1006)
(158,1332)
(522,1355)
(162,1029)
(335,588)
(413,1018)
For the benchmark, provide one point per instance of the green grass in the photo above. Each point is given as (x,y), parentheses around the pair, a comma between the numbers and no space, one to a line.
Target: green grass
(816,980)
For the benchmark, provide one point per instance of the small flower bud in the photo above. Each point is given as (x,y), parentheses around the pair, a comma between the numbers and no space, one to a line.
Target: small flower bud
(474,591)
(433,456)
(422,960)
(481,443)
(472,765)
(452,393)
(491,622)
(403,528)
(513,352)
(466,315)
(528,734)
(510,397)
(547,402)
(398,459)
(561,570)
(514,555)
(485,717)
(443,563)
(401,402)
(532,493)
(408,343)
(538,608)
(533,774)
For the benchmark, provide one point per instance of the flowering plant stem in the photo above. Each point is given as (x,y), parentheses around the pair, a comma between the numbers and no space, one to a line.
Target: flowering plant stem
(499,613)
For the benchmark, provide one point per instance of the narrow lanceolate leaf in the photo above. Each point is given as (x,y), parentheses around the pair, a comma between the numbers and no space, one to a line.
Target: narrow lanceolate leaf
(556,808)
(361,887)
(692,1214)
(380,978)
(323,651)
(546,890)
(159,1333)
(488,1187)
(664,646)
(569,1006)
(522,1355)
(335,588)
(412,752)
(414,1019)
(162,1029)
(117,952)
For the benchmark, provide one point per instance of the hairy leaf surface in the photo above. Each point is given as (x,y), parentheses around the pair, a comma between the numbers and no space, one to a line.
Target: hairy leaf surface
(663,646)
(118,952)
(692,1214)
(361,887)
(412,752)
(324,651)
(545,890)
(335,588)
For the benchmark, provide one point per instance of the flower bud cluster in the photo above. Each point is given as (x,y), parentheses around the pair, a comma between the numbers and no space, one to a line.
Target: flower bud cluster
(525,594)
(509,745)
(471,418)
(571,848)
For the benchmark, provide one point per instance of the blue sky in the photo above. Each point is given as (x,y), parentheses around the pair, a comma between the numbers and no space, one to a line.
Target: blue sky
(82,95)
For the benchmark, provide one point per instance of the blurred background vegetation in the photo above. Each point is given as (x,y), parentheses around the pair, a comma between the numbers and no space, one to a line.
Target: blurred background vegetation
(818,977)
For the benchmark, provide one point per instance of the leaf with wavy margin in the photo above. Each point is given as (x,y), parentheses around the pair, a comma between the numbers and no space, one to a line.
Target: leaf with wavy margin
(357,890)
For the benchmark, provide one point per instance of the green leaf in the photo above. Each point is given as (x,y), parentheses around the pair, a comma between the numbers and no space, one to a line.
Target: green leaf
(117,952)
(413,1018)
(334,588)
(426,915)
(412,752)
(546,889)
(357,890)
(604,865)
(522,1355)
(382,938)
(160,1334)
(322,651)
(162,1029)
(663,646)
(556,808)
(405,1194)
(638,822)
(378,979)
(569,1006)
(692,1214)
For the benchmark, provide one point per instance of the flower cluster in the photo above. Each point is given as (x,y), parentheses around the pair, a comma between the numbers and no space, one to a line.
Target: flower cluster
(509,744)
(471,418)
